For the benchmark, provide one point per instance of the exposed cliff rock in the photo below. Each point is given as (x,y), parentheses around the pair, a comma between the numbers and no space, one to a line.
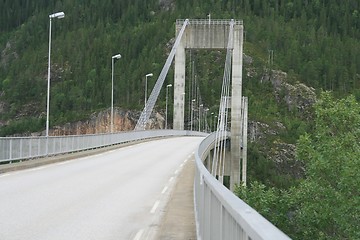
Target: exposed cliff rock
(167,5)
(100,122)
(281,153)
(8,54)
(298,97)
(259,132)
(2,109)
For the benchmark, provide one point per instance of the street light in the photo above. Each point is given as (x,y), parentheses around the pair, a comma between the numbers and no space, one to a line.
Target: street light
(192,113)
(51,16)
(113,58)
(199,118)
(166,111)
(213,122)
(146,76)
(205,119)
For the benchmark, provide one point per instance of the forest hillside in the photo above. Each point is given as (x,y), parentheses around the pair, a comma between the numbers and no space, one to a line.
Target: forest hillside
(316,42)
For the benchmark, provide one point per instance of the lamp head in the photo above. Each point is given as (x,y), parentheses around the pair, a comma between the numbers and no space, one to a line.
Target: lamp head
(149,75)
(57,15)
(117,56)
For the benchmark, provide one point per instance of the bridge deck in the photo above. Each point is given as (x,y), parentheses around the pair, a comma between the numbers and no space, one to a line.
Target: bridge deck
(119,194)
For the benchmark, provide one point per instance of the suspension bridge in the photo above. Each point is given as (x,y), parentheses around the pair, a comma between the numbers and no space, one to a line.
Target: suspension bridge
(87,197)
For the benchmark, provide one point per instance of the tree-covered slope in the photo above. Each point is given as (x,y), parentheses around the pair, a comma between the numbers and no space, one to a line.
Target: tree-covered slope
(82,45)
(315,41)
(325,204)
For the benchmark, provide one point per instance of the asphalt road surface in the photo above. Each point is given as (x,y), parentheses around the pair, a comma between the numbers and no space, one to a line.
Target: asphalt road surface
(118,194)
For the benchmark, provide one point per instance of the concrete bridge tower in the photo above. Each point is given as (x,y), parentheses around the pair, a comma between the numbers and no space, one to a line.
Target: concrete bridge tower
(212,34)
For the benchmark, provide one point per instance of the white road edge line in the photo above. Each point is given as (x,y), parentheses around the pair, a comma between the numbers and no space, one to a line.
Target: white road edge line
(139,234)
(164,189)
(171,179)
(5,175)
(153,210)
(176,172)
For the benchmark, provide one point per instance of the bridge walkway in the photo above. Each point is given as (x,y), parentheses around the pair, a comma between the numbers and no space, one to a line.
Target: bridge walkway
(178,221)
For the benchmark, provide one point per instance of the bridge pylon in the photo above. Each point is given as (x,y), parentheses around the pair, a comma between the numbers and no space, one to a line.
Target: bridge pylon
(213,34)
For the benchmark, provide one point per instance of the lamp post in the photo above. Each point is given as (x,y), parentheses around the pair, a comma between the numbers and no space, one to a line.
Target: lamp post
(205,119)
(166,111)
(113,58)
(215,123)
(51,16)
(199,118)
(212,120)
(146,76)
(192,114)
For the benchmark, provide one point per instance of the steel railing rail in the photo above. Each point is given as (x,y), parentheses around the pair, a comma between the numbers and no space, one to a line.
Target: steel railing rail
(219,213)
(207,21)
(21,148)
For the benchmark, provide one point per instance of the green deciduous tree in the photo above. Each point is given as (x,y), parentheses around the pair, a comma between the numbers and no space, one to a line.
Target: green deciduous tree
(324,205)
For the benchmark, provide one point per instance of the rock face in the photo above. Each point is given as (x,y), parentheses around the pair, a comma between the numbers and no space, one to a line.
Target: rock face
(100,122)
(298,97)
(7,54)
(2,109)
(167,5)
(281,153)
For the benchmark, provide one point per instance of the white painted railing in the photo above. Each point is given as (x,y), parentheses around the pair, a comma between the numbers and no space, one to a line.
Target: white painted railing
(222,215)
(19,148)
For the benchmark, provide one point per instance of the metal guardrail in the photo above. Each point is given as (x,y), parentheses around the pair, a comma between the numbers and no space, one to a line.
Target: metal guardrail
(20,148)
(219,213)
(207,21)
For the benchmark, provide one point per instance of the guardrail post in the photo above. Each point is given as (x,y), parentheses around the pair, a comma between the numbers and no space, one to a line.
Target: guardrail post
(30,146)
(47,145)
(10,149)
(21,149)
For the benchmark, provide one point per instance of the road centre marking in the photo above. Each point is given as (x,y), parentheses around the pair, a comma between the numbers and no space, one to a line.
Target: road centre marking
(139,234)
(153,210)
(164,189)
